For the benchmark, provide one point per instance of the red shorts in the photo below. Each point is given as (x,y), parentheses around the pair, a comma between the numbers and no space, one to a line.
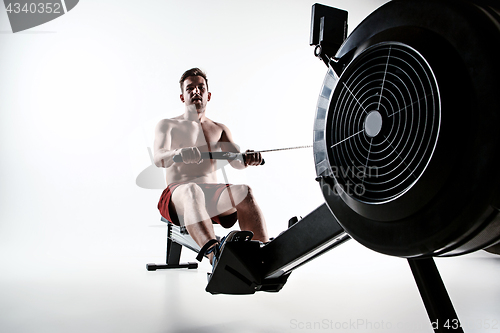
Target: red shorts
(212,194)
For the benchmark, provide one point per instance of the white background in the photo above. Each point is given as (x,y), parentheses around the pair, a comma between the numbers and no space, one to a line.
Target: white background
(79,99)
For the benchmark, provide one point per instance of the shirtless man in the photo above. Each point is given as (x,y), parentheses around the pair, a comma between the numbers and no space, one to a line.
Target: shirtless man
(193,196)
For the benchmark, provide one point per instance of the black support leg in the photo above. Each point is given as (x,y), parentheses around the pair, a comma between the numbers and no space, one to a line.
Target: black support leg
(173,252)
(173,256)
(434,295)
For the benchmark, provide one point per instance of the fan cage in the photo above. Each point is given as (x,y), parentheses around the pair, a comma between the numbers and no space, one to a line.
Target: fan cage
(383,123)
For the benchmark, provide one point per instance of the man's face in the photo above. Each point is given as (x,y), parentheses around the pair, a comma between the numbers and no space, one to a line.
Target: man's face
(195,93)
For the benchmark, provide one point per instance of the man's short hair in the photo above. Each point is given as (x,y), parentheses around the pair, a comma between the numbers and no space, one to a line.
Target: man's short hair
(192,72)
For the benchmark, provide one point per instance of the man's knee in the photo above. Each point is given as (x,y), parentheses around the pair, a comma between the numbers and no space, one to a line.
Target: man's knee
(189,192)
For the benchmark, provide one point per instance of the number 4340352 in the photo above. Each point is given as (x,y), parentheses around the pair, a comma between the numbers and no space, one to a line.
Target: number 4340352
(41,8)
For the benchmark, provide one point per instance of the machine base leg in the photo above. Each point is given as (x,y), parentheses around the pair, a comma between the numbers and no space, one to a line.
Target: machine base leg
(154,267)
(434,295)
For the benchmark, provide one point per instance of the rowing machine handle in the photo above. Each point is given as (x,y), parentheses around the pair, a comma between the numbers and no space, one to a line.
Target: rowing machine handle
(215,156)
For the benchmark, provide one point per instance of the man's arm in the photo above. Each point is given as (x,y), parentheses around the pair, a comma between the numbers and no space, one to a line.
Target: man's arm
(163,152)
(163,155)
(227,144)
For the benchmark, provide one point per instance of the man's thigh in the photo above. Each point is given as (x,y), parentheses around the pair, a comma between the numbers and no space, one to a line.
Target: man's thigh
(186,196)
(216,199)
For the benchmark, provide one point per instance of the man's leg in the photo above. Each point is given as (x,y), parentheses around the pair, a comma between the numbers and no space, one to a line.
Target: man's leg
(250,216)
(189,203)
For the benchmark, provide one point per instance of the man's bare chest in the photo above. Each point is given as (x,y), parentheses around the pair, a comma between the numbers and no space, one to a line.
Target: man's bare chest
(195,135)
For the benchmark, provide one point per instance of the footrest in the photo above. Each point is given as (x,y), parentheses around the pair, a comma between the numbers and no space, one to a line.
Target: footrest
(237,271)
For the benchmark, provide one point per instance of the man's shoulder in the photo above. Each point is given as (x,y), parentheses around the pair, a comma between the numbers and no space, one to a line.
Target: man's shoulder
(168,123)
(220,125)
